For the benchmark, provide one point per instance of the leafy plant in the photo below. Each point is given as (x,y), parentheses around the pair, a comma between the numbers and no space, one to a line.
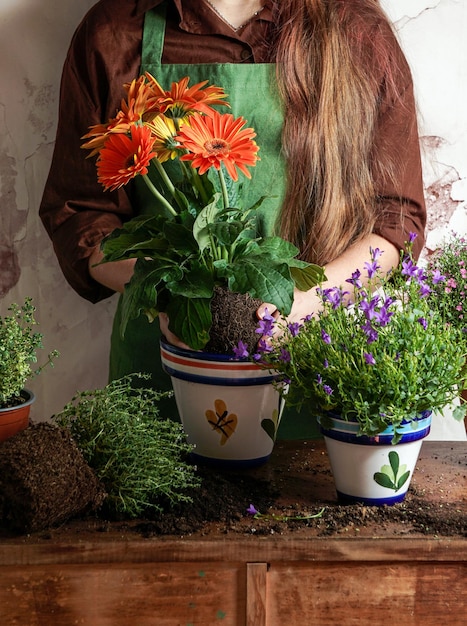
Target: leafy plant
(447,268)
(378,355)
(19,343)
(140,458)
(197,235)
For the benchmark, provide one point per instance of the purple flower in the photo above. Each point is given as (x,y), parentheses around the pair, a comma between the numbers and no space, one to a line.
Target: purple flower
(241,351)
(368,307)
(412,237)
(355,279)
(325,337)
(375,253)
(369,358)
(264,347)
(423,322)
(266,325)
(327,389)
(251,510)
(370,332)
(437,277)
(383,316)
(284,356)
(319,379)
(334,295)
(294,328)
(424,290)
(372,268)
(409,268)
(325,364)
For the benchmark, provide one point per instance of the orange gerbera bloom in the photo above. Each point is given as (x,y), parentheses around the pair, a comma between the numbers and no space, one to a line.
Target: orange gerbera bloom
(123,157)
(141,103)
(182,100)
(164,132)
(221,138)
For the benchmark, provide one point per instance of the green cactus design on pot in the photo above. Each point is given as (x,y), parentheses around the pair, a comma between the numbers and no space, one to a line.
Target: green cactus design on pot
(394,475)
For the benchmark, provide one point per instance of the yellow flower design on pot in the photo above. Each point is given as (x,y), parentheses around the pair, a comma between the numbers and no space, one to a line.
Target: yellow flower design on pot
(221,420)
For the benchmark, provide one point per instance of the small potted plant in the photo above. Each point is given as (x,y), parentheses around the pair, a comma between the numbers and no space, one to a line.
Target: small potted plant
(373,364)
(197,239)
(447,268)
(19,343)
(200,253)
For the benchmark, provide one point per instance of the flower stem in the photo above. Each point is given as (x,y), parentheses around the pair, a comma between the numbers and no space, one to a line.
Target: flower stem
(159,196)
(225,193)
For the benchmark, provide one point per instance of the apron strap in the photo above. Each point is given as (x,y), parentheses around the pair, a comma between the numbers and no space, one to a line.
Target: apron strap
(153,35)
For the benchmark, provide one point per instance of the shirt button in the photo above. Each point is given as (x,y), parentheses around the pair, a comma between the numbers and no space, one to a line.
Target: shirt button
(245,54)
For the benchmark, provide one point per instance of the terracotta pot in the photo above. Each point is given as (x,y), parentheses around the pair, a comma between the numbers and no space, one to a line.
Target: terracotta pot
(16,418)
(372,470)
(229,409)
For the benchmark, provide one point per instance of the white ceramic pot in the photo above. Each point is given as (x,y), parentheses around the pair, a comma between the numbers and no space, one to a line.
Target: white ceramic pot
(372,470)
(229,409)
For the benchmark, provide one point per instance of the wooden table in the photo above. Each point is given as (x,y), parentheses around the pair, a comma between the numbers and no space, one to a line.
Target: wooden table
(371,575)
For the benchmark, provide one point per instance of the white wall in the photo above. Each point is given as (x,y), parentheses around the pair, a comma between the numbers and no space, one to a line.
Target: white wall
(34,36)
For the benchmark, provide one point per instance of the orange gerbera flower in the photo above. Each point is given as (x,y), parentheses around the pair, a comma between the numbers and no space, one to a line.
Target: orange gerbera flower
(141,103)
(221,138)
(182,100)
(123,157)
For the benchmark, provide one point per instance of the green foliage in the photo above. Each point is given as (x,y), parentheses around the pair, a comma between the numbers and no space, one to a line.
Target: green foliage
(139,457)
(377,355)
(19,343)
(449,295)
(182,257)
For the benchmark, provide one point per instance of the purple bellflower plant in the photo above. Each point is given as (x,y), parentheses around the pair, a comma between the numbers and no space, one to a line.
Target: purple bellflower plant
(378,354)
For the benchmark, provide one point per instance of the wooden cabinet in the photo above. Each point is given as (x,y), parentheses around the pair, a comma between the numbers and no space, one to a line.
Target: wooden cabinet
(70,577)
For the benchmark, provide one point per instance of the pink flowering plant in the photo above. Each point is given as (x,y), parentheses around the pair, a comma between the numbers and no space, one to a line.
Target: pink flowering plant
(378,354)
(447,269)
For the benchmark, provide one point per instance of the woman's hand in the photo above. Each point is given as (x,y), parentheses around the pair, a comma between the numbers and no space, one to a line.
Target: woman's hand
(337,272)
(170,337)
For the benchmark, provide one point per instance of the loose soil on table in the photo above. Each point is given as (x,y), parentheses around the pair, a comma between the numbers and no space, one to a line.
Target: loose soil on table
(294,494)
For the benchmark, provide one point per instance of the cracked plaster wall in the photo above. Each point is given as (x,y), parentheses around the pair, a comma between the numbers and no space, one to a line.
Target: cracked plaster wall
(34,36)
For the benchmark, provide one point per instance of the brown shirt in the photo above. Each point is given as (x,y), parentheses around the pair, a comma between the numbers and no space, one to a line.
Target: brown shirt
(105,53)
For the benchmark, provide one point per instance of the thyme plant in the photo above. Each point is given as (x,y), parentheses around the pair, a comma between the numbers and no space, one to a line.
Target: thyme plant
(140,457)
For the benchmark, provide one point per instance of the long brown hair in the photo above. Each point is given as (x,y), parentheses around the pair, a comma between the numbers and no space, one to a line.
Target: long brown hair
(334,62)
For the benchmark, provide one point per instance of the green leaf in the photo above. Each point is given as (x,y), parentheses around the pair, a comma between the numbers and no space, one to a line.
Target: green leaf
(140,293)
(394,461)
(402,480)
(270,428)
(197,282)
(206,216)
(180,238)
(268,282)
(307,277)
(190,320)
(383,480)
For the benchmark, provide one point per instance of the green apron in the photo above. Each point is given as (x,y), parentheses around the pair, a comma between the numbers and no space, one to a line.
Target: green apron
(252,94)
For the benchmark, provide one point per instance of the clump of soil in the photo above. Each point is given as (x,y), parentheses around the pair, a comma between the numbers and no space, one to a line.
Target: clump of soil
(44,479)
(233,320)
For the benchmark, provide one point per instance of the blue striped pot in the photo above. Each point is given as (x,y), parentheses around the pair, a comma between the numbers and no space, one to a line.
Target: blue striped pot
(229,409)
(372,470)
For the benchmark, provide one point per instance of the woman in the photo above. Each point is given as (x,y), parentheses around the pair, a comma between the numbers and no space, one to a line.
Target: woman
(329,93)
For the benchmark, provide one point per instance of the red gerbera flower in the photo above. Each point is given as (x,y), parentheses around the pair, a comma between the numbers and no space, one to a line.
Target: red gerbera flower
(218,139)
(123,157)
